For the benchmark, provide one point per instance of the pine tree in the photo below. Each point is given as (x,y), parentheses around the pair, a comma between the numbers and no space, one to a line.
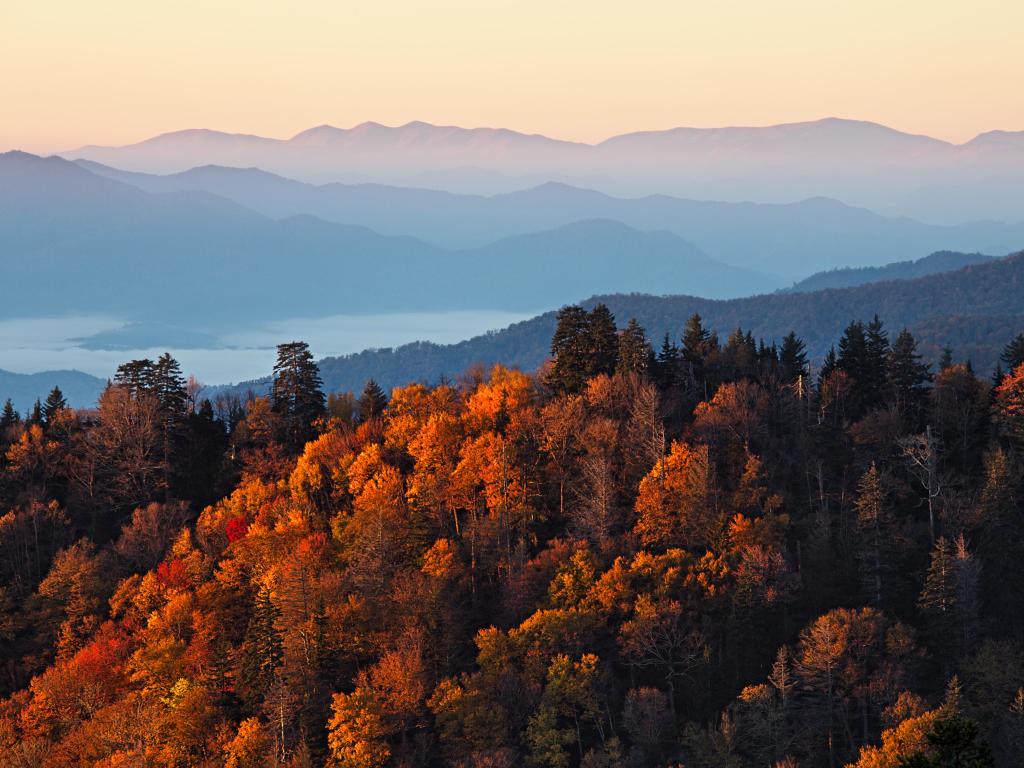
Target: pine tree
(9,417)
(875,528)
(946,360)
(168,385)
(667,364)
(1013,353)
(372,402)
(634,352)
(36,416)
(908,379)
(603,342)
(297,393)
(792,358)
(263,645)
(55,403)
(938,599)
(136,376)
(698,346)
(828,366)
(570,350)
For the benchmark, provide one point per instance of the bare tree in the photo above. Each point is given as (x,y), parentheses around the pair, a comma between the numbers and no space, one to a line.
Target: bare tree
(922,455)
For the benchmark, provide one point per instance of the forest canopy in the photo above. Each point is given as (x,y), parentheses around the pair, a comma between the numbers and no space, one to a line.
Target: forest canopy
(688,551)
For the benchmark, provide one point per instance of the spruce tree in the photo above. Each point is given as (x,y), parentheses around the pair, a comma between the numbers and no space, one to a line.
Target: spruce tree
(946,360)
(264,646)
(168,385)
(55,403)
(1013,353)
(828,366)
(792,358)
(136,376)
(569,350)
(634,351)
(698,346)
(36,416)
(667,363)
(372,402)
(297,393)
(875,534)
(603,342)
(9,417)
(908,379)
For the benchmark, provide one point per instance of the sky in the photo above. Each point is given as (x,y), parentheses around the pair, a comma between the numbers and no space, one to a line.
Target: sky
(118,71)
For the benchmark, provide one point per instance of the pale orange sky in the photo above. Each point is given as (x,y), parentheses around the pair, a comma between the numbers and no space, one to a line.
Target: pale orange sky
(118,71)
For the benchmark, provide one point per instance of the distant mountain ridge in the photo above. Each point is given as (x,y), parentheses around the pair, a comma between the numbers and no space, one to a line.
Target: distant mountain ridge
(791,239)
(105,246)
(79,389)
(935,263)
(975,310)
(859,162)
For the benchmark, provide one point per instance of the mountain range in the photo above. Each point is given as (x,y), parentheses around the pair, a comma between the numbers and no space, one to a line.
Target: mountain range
(932,264)
(791,239)
(975,310)
(100,245)
(861,163)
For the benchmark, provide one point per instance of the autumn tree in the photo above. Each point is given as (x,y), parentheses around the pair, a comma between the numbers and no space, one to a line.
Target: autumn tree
(676,505)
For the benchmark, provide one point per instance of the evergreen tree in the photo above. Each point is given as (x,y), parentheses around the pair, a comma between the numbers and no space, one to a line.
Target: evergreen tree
(875,529)
(908,379)
(634,352)
(1013,353)
(9,417)
(603,342)
(667,363)
(699,344)
(136,376)
(792,358)
(36,416)
(372,402)
(55,403)
(263,645)
(946,360)
(828,366)
(297,393)
(168,386)
(938,599)
(570,350)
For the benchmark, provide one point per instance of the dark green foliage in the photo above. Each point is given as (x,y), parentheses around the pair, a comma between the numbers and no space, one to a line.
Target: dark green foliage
(372,402)
(9,417)
(908,379)
(1013,353)
(297,393)
(55,403)
(585,344)
(792,358)
(955,742)
(635,352)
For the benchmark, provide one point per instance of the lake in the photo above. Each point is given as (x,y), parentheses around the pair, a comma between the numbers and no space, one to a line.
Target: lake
(30,345)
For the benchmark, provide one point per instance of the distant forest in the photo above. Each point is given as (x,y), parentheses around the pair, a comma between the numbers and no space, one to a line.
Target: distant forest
(685,550)
(972,310)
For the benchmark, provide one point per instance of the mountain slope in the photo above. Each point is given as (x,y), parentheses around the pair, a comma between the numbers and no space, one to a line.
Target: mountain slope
(940,261)
(105,246)
(80,389)
(859,162)
(792,239)
(975,310)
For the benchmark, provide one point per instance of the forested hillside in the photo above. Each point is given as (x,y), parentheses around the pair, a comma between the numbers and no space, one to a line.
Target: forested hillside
(693,553)
(846,277)
(973,311)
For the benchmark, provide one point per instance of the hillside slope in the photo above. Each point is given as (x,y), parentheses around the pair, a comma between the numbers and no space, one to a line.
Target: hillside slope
(975,310)
(793,239)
